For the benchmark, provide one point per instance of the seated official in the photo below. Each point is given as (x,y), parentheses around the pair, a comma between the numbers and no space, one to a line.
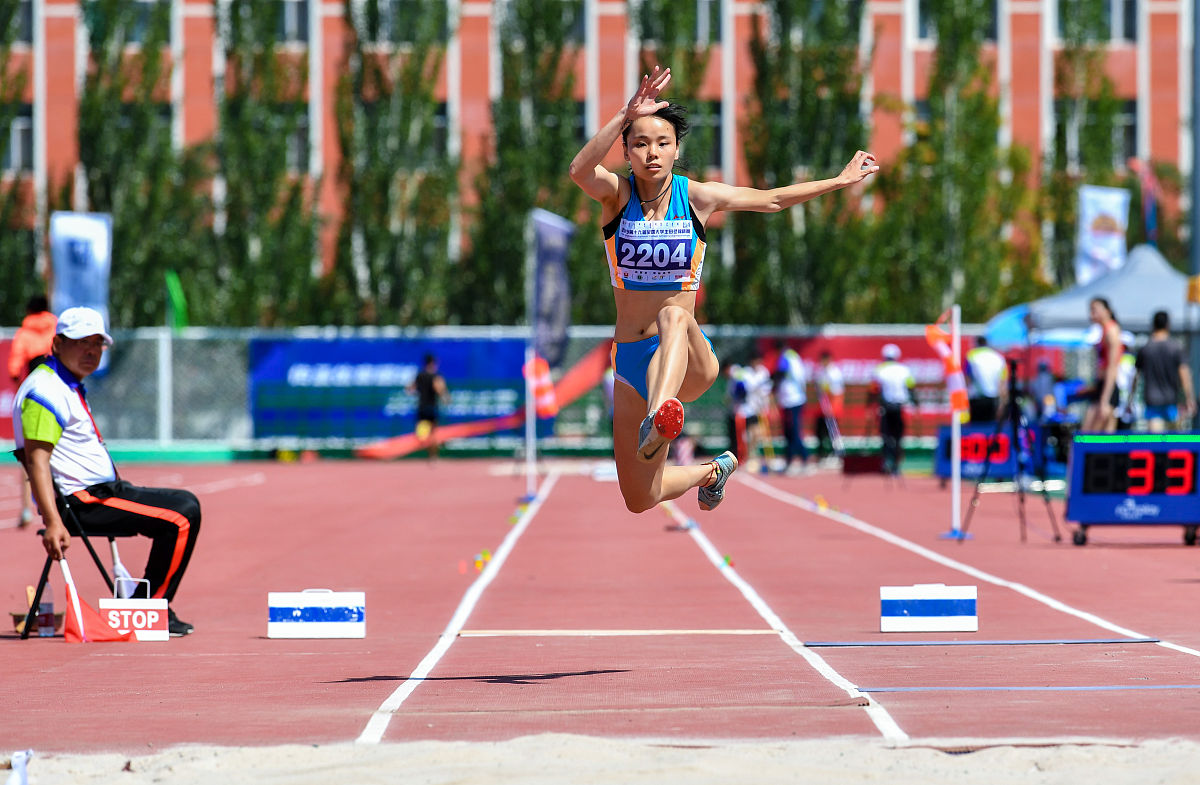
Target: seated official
(62,447)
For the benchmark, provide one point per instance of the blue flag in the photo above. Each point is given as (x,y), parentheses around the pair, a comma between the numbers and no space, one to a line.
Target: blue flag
(551,286)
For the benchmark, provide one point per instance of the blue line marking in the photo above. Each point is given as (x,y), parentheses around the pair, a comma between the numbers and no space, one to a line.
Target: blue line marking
(925,608)
(1087,688)
(317,614)
(1062,642)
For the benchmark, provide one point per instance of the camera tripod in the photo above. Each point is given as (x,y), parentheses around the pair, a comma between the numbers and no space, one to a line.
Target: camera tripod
(1018,428)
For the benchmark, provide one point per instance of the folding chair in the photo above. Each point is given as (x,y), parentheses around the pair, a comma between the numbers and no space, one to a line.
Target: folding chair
(76,531)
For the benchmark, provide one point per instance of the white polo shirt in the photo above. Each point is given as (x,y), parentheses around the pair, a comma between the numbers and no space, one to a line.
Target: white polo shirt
(49,407)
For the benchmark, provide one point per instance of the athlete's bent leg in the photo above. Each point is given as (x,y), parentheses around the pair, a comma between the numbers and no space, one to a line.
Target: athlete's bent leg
(645,484)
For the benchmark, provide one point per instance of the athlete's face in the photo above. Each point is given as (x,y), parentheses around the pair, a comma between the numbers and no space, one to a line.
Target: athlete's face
(1098,312)
(651,148)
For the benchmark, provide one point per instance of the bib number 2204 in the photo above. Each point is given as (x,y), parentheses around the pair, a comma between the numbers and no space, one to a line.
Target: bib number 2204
(658,255)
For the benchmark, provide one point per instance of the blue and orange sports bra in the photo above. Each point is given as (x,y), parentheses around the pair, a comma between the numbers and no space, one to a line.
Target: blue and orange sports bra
(665,255)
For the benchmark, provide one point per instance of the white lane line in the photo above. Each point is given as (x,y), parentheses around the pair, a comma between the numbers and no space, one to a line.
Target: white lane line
(229,483)
(377,725)
(879,715)
(954,564)
(601,633)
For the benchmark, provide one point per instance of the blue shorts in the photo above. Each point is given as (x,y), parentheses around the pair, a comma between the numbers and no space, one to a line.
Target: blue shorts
(630,361)
(1170,413)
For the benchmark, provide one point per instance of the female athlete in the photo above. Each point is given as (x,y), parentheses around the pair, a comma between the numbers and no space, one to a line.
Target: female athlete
(654,229)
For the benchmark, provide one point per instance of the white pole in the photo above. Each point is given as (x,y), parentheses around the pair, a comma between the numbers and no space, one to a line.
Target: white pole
(530,410)
(166,392)
(956,433)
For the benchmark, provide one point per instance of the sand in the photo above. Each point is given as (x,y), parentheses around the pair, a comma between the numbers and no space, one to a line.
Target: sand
(578,760)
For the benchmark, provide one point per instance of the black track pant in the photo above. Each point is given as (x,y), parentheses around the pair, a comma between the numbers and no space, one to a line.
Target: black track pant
(169,517)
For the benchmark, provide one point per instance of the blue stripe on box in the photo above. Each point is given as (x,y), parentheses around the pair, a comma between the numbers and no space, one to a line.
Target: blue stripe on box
(312,613)
(927,608)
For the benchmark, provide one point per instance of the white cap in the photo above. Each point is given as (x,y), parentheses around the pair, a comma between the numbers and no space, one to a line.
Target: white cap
(891,351)
(81,322)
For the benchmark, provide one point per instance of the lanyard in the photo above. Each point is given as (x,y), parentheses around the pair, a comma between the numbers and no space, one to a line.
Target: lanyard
(88,409)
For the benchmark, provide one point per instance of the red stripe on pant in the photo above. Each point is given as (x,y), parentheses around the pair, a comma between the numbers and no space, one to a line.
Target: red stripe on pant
(162,513)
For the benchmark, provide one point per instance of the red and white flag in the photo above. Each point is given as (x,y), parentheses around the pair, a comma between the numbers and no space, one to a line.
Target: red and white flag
(83,624)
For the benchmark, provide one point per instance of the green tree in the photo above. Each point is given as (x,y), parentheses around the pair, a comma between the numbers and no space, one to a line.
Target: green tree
(154,191)
(266,226)
(1084,144)
(537,131)
(953,226)
(18,256)
(805,122)
(399,180)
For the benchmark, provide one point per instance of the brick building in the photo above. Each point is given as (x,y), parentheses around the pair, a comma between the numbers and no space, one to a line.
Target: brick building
(1149,60)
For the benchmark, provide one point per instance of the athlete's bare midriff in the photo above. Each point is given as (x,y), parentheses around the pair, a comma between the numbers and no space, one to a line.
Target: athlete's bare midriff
(637,311)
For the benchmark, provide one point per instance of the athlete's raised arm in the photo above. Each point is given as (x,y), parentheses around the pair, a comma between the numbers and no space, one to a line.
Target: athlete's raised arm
(711,197)
(586,169)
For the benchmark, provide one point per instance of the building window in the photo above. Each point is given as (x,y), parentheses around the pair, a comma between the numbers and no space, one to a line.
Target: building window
(653,22)
(137,18)
(1073,129)
(706,131)
(1125,136)
(573,22)
(24,22)
(399,21)
(18,151)
(293,21)
(297,137)
(1117,21)
(926,31)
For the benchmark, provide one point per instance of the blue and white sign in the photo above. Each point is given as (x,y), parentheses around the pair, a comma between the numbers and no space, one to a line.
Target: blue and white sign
(316,613)
(928,607)
(81,252)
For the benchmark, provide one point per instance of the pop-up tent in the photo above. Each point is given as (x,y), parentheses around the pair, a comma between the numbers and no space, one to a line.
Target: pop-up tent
(1144,284)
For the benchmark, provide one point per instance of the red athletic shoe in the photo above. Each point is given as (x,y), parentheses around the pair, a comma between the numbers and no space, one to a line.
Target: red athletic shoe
(658,428)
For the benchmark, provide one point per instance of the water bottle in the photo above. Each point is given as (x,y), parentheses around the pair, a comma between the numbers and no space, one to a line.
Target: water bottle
(45,617)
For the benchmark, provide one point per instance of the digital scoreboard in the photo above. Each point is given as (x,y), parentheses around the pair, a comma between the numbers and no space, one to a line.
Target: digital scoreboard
(1134,479)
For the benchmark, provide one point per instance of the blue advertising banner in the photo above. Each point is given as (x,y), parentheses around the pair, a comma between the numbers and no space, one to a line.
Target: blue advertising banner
(552,288)
(359,388)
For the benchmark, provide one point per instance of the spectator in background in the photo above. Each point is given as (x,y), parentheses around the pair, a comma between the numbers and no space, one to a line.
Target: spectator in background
(30,345)
(791,395)
(987,382)
(755,407)
(1104,395)
(430,389)
(1166,376)
(891,388)
(831,396)
(1041,391)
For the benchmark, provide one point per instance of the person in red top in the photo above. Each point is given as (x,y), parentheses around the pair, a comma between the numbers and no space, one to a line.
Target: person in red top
(1104,396)
(29,345)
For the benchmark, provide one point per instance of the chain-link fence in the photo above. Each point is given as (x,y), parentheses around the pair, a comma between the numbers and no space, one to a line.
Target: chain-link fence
(168,388)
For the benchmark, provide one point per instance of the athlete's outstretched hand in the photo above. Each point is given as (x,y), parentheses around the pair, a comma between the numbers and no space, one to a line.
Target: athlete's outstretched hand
(861,165)
(645,101)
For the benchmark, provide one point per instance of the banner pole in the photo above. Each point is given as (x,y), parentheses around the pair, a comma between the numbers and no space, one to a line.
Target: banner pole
(956,433)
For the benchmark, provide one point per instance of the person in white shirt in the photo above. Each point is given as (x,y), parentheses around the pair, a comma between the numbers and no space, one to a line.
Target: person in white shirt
(831,395)
(987,382)
(791,395)
(891,387)
(61,448)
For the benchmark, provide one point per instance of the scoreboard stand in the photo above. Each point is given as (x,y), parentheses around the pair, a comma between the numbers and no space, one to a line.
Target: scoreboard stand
(1137,479)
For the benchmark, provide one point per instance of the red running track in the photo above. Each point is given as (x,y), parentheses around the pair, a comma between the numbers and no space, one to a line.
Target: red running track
(592,620)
